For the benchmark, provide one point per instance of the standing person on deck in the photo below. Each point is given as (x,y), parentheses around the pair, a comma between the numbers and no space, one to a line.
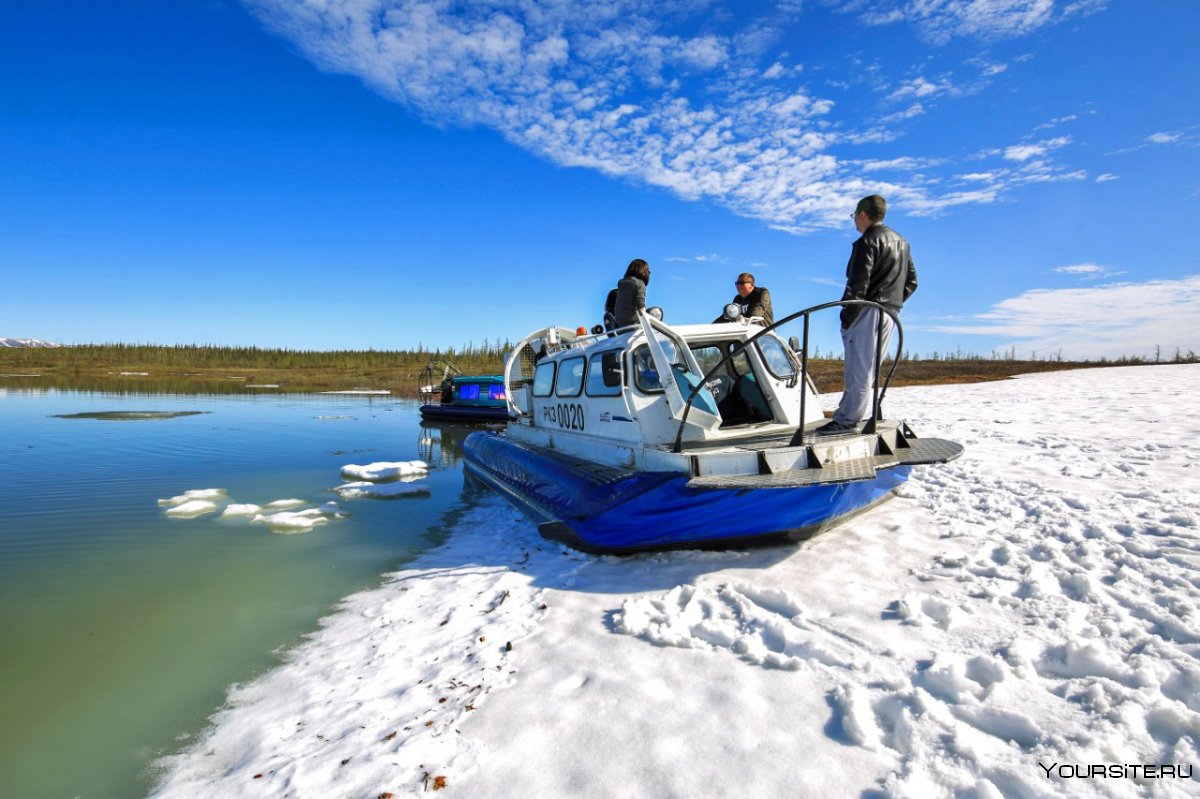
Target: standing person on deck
(754,301)
(631,293)
(880,270)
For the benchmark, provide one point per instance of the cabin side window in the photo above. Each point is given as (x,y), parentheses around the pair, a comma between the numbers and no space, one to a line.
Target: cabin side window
(570,378)
(543,380)
(776,357)
(645,373)
(604,378)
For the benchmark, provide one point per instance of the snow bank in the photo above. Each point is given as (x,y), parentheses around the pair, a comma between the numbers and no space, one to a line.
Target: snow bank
(1027,612)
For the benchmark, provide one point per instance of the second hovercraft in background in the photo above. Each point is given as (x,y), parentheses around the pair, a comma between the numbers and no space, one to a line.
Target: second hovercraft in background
(449,395)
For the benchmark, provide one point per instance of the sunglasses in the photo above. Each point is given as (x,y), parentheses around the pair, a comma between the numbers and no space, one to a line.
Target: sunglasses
(743,282)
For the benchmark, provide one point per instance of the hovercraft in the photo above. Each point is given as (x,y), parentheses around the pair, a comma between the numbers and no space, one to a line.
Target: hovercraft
(657,437)
(447,395)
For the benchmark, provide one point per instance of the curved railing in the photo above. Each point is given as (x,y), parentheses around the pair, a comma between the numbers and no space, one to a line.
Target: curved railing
(877,393)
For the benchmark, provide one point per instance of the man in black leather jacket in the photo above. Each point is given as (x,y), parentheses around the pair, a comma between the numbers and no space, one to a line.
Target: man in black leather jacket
(880,270)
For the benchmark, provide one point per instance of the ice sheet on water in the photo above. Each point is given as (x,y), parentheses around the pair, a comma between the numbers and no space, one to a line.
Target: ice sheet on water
(363,488)
(385,470)
(360,391)
(295,521)
(191,509)
(210,494)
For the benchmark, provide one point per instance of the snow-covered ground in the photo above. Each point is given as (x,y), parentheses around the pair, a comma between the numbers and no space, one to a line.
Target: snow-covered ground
(1022,616)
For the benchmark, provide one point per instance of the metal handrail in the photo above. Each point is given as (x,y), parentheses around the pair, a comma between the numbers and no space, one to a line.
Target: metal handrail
(877,393)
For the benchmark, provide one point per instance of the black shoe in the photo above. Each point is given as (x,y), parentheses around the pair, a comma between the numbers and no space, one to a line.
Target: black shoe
(833,427)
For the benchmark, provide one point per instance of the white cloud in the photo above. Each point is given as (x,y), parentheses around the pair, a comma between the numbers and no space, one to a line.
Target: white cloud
(1081,269)
(914,110)
(1099,321)
(1024,152)
(625,88)
(709,258)
(918,87)
(943,20)
(1164,138)
(1106,177)
(1088,270)
(905,164)
(1053,123)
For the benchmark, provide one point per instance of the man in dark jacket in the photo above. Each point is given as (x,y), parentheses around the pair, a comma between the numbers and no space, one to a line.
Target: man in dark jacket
(880,270)
(754,301)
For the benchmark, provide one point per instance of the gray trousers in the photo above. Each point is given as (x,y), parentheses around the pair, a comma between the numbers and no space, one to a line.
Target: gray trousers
(859,343)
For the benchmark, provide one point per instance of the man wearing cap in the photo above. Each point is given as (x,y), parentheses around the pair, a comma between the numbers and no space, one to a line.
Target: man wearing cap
(880,270)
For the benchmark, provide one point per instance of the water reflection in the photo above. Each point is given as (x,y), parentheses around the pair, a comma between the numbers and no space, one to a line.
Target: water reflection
(440,443)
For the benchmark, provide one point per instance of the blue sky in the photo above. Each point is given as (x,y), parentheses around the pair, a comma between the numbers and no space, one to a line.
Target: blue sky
(376,173)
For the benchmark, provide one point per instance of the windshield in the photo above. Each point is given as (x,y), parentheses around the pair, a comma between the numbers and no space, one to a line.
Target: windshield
(776,357)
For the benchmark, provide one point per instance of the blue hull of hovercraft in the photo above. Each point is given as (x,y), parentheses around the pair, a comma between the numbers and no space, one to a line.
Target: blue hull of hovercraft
(618,511)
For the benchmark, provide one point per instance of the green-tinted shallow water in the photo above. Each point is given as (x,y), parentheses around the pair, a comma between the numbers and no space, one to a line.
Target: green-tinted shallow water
(121,629)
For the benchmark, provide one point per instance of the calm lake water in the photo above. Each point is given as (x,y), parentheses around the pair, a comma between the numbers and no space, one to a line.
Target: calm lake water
(120,628)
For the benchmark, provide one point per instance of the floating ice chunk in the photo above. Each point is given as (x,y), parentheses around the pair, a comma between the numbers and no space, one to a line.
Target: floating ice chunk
(331,509)
(292,521)
(211,494)
(385,470)
(191,509)
(360,391)
(241,510)
(380,491)
(282,504)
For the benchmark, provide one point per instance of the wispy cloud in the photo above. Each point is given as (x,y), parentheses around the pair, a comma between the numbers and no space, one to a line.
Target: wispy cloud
(1098,321)
(943,20)
(1168,137)
(1106,177)
(711,258)
(630,89)
(1089,270)
(1164,138)
(1024,152)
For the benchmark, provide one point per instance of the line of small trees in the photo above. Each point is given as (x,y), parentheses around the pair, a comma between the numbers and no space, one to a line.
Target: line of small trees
(199,356)
(488,352)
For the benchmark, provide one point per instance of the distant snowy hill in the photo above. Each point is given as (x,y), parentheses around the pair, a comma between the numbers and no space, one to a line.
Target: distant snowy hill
(26,342)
